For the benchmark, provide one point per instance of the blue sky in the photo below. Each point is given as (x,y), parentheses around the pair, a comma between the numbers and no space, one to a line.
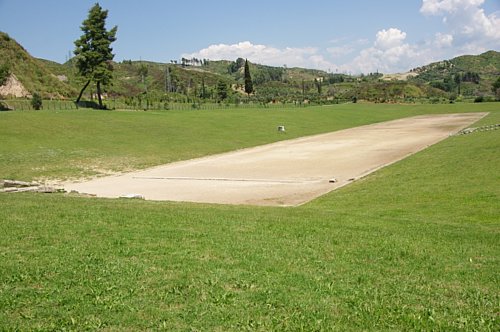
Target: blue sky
(340,36)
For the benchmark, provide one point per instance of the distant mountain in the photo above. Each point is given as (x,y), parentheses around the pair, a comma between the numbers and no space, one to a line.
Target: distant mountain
(30,74)
(191,80)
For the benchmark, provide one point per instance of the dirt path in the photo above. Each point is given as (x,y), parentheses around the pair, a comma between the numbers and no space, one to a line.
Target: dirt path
(285,173)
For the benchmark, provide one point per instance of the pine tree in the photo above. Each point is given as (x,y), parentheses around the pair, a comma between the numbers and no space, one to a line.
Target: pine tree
(221,90)
(248,79)
(93,52)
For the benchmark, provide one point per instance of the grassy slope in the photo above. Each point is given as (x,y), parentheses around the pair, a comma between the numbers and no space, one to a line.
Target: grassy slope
(415,246)
(486,64)
(128,80)
(60,144)
(32,73)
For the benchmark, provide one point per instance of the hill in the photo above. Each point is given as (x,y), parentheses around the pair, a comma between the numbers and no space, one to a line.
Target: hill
(139,83)
(468,75)
(31,73)
(281,84)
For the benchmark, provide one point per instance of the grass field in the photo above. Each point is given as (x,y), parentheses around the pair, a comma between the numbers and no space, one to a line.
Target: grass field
(414,246)
(62,144)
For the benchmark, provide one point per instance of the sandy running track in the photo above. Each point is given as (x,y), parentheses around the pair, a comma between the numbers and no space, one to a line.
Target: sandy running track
(285,173)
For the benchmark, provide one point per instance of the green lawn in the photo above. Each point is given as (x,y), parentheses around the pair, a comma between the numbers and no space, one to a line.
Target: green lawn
(63,144)
(414,246)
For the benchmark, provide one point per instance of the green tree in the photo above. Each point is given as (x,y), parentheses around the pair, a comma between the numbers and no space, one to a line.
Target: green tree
(93,50)
(203,89)
(248,79)
(143,72)
(318,85)
(221,90)
(496,88)
(36,101)
(4,73)
(458,80)
(235,66)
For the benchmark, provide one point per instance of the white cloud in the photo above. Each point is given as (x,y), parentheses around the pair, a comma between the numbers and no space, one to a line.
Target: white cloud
(340,51)
(391,38)
(291,56)
(469,26)
(347,47)
(467,29)
(443,40)
(319,62)
(388,54)
(436,7)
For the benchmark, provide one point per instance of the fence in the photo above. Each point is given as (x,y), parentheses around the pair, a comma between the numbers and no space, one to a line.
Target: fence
(54,105)
(202,106)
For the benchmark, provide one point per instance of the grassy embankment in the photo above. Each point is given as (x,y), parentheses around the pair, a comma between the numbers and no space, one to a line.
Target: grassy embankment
(414,246)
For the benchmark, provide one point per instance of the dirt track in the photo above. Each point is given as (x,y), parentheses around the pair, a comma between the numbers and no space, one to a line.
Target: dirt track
(285,173)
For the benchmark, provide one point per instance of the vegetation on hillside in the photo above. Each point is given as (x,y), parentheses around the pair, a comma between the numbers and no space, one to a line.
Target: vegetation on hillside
(31,72)
(141,84)
(4,73)
(466,75)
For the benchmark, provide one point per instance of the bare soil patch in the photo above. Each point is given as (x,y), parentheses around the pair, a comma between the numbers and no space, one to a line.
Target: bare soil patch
(13,87)
(286,173)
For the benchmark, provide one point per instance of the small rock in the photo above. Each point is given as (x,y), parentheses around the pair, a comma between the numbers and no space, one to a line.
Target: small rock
(133,196)
(86,195)
(10,190)
(332,180)
(15,183)
(46,190)
(21,189)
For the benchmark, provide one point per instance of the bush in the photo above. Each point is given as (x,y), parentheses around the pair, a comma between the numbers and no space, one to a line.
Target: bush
(36,101)
(479,99)
(4,73)
(4,107)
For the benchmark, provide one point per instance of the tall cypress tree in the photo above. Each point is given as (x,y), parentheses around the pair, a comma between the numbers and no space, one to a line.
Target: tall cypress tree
(93,51)
(248,79)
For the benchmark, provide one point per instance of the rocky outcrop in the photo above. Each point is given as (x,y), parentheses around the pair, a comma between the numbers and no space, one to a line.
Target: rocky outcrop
(13,88)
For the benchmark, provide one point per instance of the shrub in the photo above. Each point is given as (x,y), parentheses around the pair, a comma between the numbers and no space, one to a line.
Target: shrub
(36,101)
(479,99)
(4,73)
